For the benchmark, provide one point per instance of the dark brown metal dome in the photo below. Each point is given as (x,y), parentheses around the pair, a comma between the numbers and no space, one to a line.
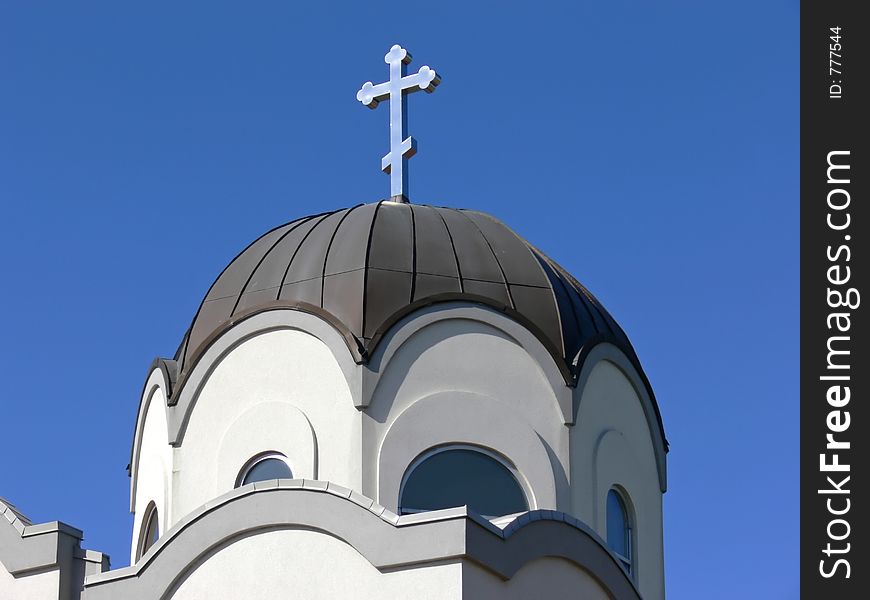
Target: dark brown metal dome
(364,268)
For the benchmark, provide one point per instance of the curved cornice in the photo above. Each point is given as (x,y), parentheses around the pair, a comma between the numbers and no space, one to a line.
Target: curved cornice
(387,541)
(362,369)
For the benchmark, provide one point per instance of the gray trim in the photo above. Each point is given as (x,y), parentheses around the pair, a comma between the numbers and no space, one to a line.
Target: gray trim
(178,409)
(182,404)
(353,345)
(94,562)
(28,549)
(386,540)
(25,547)
(156,379)
(169,368)
(215,288)
(618,358)
(363,379)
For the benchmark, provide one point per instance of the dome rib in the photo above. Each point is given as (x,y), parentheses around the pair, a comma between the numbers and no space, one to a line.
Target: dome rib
(308,233)
(413,253)
(367,263)
(346,214)
(455,255)
(212,294)
(365,267)
(507,286)
(362,269)
(264,257)
(591,299)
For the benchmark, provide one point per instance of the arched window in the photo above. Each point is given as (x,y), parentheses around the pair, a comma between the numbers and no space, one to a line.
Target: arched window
(267,466)
(619,529)
(461,476)
(150,530)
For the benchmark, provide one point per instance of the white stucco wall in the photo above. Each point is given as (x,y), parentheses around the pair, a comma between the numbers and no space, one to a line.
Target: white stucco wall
(438,378)
(611,445)
(307,564)
(312,565)
(482,387)
(154,476)
(280,390)
(41,586)
(541,578)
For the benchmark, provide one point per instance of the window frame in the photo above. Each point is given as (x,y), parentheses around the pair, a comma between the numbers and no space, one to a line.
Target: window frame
(626,562)
(499,458)
(145,544)
(257,459)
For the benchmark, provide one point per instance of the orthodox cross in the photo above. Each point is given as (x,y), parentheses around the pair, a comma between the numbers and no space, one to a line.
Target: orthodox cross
(401,148)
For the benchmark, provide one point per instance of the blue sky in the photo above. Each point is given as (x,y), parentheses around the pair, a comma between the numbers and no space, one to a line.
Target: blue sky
(650,148)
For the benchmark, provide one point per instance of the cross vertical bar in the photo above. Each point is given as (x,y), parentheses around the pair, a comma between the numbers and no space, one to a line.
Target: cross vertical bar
(394,89)
(398,129)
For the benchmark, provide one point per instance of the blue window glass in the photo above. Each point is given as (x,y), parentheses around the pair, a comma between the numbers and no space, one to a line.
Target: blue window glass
(462,477)
(618,528)
(271,467)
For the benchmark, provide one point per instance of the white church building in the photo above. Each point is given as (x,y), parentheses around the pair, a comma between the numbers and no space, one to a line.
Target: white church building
(388,401)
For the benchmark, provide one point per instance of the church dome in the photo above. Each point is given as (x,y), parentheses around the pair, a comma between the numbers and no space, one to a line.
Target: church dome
(364,268)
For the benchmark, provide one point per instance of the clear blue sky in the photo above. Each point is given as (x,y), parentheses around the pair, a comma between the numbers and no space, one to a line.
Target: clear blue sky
(650,148)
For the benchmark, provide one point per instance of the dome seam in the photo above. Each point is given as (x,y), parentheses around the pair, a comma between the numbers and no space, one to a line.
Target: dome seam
(263,258)
(329,247)
(323,217)
(365,289)
(455,255)
(507,286)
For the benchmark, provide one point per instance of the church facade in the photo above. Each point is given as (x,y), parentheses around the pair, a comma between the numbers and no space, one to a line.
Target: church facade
(385,401)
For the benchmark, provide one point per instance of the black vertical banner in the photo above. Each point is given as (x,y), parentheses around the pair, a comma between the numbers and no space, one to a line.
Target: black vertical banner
(835,369)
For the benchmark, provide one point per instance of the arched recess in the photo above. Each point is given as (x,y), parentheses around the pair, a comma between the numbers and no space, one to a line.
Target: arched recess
(187,392)
(289,432)
(156,384)
(615,469)
(464,418)
(414,323)
(151,471)
(275,367)
(615,356)
(614,445)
